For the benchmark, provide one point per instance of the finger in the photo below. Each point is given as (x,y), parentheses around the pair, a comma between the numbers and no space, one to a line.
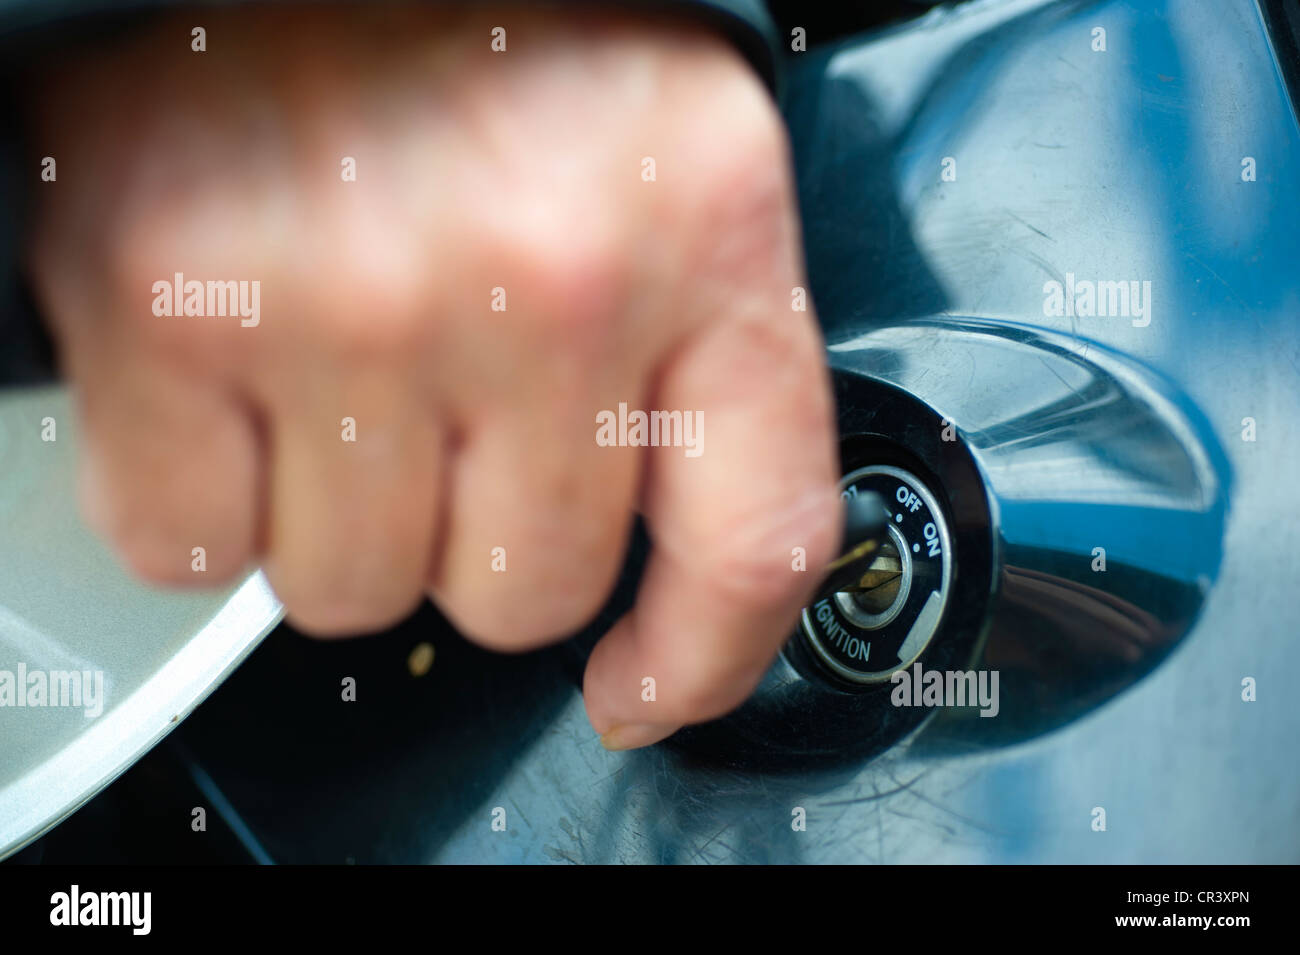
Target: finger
(169,468)
(539,520)
(724,583)
(353,498)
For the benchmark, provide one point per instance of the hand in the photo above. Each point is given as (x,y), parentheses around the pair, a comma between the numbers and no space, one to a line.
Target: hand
(517,179)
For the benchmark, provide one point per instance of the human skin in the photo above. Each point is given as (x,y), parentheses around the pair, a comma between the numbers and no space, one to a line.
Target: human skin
(475,428)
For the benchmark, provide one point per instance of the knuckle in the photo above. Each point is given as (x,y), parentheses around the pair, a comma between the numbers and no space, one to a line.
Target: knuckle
(153,561)
(752,560)
(575,575)
(171,559)
(738,209)
(523,622)
(166,557)
(344,583)
(376,337)
(707,690)
(563,610)
(782,354)
(755,575)
(152,276)
(324,611)
(746,153)
(374,316)
(136,268)
(495,624)
(571,287)
(560,594)
(139,251)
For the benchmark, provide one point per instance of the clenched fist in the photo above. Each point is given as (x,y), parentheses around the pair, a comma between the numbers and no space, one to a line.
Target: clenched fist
(443,268)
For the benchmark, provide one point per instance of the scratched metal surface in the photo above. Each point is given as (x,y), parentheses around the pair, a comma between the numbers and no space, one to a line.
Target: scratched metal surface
(1114,165)
(1117,164)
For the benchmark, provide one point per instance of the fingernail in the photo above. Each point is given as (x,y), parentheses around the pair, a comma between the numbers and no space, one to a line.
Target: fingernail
(634,736)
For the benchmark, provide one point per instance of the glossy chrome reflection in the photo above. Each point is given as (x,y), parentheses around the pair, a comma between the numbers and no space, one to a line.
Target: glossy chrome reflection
(1108,495)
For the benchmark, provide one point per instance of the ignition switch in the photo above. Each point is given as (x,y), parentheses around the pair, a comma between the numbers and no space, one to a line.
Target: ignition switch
(884,618)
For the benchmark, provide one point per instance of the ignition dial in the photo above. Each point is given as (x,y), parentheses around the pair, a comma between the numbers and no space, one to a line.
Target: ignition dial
(883,623)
